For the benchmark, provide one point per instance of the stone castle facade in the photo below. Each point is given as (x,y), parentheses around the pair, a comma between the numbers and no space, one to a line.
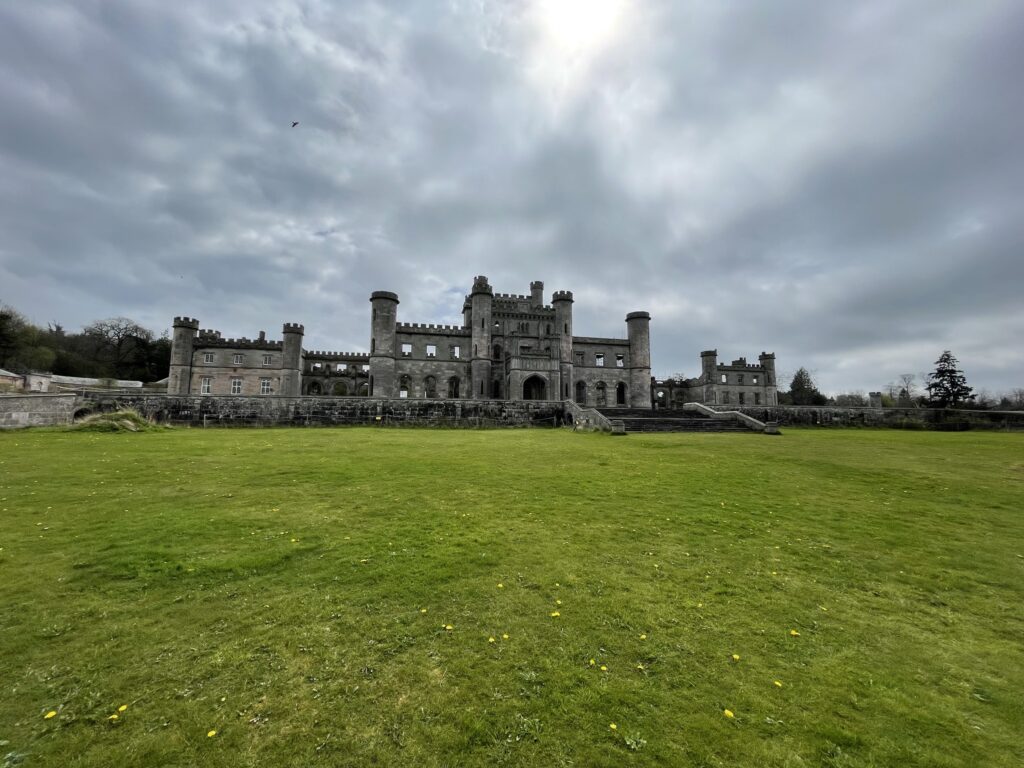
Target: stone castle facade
(508,347)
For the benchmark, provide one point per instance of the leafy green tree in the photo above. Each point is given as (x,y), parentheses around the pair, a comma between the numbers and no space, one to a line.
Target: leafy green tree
(802,390)
(947,385)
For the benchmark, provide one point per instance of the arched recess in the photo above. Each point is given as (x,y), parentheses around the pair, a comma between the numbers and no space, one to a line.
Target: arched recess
(315,388)
(453,387)
(430,387)
(364,390)
(581,392)
(404,387)
(620,393)
(497,352)
(535,388)
(340,389)
(602,394)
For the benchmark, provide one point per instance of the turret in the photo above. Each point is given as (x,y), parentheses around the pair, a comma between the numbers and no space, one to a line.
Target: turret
(481,299)
(638,325)
(562,302)
(708,375)
(291,360)
(383,344)
(179,378)
(767,361)
(536,294)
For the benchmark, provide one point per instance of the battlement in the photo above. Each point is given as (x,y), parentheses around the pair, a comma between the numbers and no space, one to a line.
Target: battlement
(512,296)
(208,339)
(186,322)
(561,296)
(444,330)
(741,363)
(709,353)
(298,328)
(638,316)
(480,285)
(537,284)
(319,354)
(384,295)
(766,356)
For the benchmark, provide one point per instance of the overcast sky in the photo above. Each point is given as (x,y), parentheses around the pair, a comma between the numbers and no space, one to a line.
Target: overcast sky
(841,183)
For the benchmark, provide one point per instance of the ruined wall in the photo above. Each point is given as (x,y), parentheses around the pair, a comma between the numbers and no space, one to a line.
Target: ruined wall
(35,410)
(193,410)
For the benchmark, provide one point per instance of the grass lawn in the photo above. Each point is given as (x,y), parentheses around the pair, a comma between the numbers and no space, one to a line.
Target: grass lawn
(463,598)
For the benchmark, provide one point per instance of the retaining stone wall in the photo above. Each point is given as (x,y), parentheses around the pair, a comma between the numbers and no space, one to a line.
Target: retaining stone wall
(35,410)
(899,418)
(227,410)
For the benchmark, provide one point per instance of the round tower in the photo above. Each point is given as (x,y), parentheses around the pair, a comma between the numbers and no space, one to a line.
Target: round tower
(562,302)
(291,359)
(536,294)
(383,344)
(638,325)
(179,378)
(481,300)
(767,361)
(708,373)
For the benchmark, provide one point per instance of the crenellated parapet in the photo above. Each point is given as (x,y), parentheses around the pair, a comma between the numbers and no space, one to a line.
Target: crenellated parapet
(186,322)
(561,296)
(318,354)
(431,328)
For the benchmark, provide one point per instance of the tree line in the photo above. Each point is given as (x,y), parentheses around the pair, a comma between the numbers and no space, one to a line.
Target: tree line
(115,348)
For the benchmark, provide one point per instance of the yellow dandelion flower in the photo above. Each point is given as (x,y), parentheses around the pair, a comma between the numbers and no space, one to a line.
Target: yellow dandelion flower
(700,605)
(448,627)
(592,662)
(211,734)
(558,602)
(122,708)
(794,633)
(423,610)
(48,715)
(501,586)
(505,636)
(735,657)
(604,668)
(778,683)
(555,614)
(643,637)
(640,667)
(613,726)
(728,713)
(113,717)
(491,640)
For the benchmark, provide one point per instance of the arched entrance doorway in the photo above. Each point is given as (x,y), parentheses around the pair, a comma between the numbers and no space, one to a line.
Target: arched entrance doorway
(535,388)
(602,394)
(620,393)
(581,392)
(453,387)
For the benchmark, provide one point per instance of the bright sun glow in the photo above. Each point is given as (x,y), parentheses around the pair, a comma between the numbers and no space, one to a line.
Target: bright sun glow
(578,27)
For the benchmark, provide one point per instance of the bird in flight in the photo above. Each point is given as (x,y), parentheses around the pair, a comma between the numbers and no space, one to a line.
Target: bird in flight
(294,123)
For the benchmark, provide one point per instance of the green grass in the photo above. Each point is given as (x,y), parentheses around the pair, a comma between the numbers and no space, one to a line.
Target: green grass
(289,589)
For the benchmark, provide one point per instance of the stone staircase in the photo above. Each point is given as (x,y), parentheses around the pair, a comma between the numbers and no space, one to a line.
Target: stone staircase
(664,420)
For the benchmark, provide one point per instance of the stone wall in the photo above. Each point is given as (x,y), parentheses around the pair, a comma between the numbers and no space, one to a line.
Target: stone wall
(898,418)
(36,410)
(226,411)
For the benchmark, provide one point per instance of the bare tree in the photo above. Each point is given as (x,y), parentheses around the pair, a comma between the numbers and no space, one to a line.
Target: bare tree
(118,339)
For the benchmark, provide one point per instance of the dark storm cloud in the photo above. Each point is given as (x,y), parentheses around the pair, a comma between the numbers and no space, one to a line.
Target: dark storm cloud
(837,182)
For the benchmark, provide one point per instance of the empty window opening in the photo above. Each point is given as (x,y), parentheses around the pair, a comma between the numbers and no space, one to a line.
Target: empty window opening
(566,328)
(453,387)
(317,366)
(456,352)
(620,361)
(373,346)
(620,393)
(581,392)
(236,386)
(406,350)
(742,397)
(264,386)
(579,358)
(739,378)
(206,385)
(431,350)
(549,329)
(757,398)
(403,387)
(430,386)
(497,352)
(599,360)
(725,379)
(754,379)
(725,398)
(602,394)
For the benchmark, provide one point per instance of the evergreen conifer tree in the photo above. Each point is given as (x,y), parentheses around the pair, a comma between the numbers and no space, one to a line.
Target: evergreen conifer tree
(947,385)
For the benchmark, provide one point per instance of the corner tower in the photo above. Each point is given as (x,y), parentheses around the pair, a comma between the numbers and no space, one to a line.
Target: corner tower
(708,374)
(481,303)
(383,319)
(291,360)
(179,377)
(639,327)
(562,301)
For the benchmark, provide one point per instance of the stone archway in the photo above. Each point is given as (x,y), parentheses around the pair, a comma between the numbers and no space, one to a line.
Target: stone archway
(620,393)
(314,388)
(602,394)
(453,387)
(581,392)
(535,388)
(340,389)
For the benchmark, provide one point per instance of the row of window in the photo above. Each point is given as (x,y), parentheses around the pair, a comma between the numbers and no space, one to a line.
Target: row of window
(599,357)
(340,367)
(237,358)
(454,351)
(206,386)
(740,378)
(742,399)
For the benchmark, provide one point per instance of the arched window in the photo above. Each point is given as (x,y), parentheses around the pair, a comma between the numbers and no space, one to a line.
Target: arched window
(602,394)
(497,351)
(581,392)
(340,389)
(430,386)
(620,393)
(404,387)
(453,387)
